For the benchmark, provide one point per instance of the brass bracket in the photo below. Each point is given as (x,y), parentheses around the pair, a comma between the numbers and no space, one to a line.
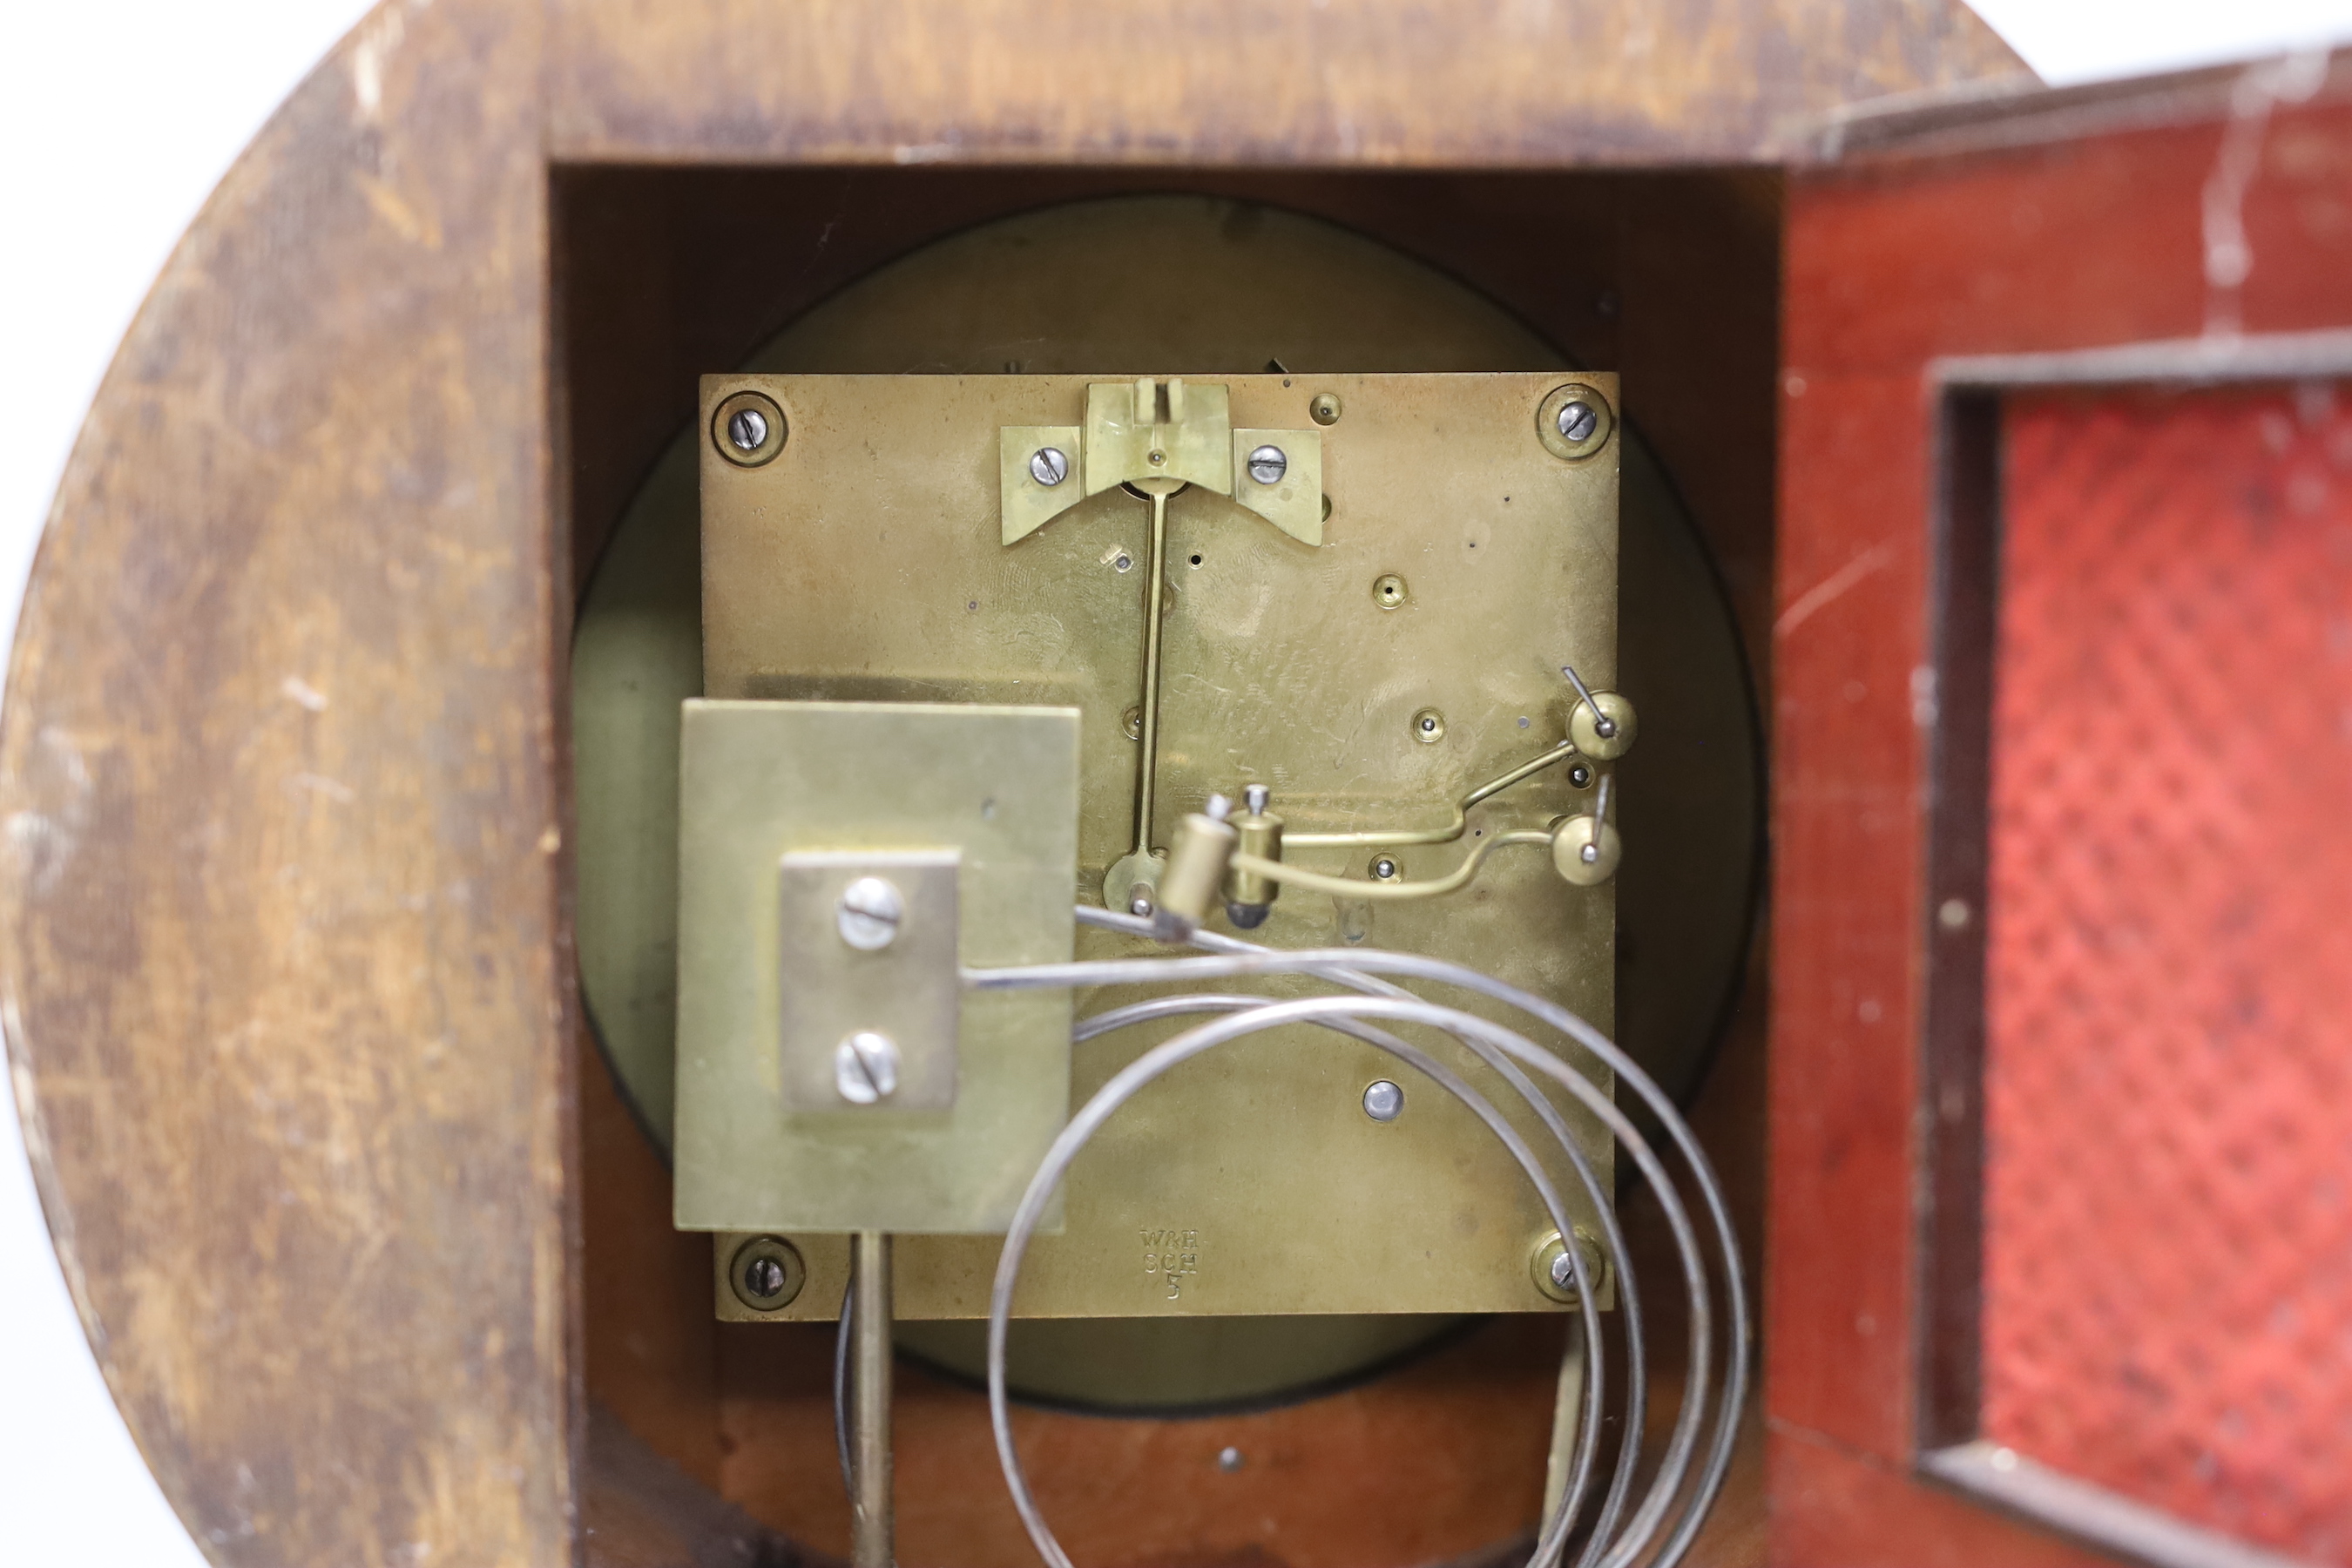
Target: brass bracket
(1159,435)
(789,814)
(868,996)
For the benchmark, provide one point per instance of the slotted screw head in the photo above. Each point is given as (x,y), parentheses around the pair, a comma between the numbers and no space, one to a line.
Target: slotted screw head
(866,1067)
(747,428)
(1267,465)
(1555,1271)
(764,1278)
(869,913)
(1049,466)
(1577,421)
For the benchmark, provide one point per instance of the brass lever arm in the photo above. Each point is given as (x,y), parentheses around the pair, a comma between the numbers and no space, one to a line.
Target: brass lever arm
(1397,837)
(1348,887)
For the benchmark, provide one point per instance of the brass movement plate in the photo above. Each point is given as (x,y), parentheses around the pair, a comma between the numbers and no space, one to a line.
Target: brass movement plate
(866,562)
(759,781)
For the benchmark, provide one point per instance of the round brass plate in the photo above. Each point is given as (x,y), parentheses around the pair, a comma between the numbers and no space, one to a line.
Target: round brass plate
(1231,285)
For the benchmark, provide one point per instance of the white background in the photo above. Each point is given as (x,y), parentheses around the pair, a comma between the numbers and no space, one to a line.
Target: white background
(116,120)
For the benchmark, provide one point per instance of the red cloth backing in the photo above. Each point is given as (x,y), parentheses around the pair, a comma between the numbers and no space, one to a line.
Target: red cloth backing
(2168,977)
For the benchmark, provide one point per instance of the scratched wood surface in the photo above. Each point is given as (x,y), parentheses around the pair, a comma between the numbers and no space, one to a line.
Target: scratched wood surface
(1478,83)
(2013,231)
(284,963)
(287,989)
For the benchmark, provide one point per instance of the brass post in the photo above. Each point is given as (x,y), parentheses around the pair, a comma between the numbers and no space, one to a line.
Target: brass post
(869,1420)
(1568,1406)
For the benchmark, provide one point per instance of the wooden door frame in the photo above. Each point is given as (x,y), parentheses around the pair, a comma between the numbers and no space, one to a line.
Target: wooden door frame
(1939,256)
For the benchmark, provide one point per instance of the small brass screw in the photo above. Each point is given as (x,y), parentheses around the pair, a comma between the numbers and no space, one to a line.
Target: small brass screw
(1049,466)
(1577,421)
(748,429)
(1429,726)
(1388,590)
(766,1273)
(1324,408)
(869,913)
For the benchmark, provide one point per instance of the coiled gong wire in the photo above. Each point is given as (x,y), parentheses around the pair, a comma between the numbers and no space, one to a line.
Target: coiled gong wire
(1379,1001)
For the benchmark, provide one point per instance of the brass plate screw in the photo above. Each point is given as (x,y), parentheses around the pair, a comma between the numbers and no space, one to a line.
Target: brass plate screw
(1555,1276)
(1324,408)
(1049,466)
(1383,1100)
(866,1067)
(1429,726)
(1388,590)
(748,429)
(1267,465)
(868,915)
(766,1273)
(1574,421)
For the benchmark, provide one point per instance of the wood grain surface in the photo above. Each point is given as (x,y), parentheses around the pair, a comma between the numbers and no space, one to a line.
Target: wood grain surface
(282,935)
(284,958)
(1481,84)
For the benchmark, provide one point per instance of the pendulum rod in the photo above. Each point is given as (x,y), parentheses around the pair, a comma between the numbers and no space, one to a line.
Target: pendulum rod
(869,1421)
(1155,600)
